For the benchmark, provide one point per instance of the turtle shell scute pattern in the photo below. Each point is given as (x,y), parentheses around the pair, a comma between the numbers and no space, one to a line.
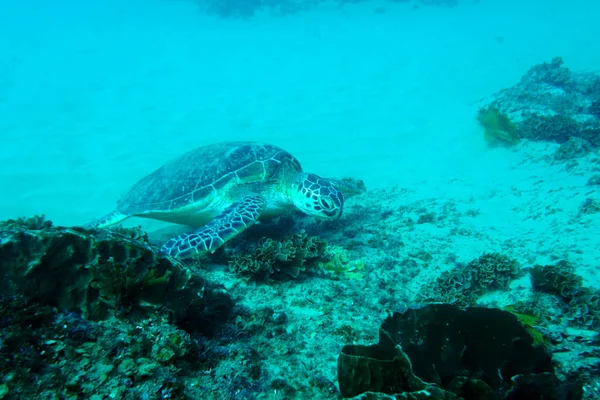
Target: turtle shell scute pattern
(206,173)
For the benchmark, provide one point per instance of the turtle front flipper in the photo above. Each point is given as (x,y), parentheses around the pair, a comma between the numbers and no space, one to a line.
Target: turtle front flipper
(230,223)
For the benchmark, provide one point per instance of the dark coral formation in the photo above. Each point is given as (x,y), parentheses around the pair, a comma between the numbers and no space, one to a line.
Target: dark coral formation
(473,354)
(558,279)
(99,314)
(54,354)
(559,128)
(100,274)
(580,304)
(553,103)
(464,285)
(594,180)
(573,148)
(556,128)
(277,259)
(595,108)
(589,206)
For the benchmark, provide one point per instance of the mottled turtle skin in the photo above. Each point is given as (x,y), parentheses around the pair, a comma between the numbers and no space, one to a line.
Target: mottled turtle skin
(223,189)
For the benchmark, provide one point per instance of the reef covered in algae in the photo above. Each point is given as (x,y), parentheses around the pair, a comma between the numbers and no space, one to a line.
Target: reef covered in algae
(550,103)
(443,351)
(100,314)
(291,308)
(271,259)
(100,274)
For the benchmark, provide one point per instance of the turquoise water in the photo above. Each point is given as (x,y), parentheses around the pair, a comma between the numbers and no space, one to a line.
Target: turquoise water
(96,95)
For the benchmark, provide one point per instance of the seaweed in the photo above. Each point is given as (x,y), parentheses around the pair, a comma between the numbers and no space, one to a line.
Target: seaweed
(499,130)
(530,322)
(336,260)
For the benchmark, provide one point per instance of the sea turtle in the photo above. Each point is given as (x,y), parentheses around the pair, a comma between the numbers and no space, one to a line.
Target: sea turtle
(223,189)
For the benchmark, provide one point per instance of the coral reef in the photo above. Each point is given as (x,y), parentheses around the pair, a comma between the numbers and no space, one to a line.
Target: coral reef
(473,353)
(580,305)
(277,259)
(558,279)
(61,355)
(288,257)
(464,285)
(99,314)
(404,259)
(557,128)
(573,148)
(589,206)
(102,274)
(595,108)
(553,103)
(594,180)
(281,337)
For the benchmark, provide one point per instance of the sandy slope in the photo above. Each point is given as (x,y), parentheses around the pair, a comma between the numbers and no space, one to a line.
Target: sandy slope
(93,98)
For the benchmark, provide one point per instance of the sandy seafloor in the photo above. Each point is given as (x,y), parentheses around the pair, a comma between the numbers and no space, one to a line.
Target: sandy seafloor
(95,95)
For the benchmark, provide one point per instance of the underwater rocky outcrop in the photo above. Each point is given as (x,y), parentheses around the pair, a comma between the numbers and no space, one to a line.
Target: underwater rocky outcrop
(573,148)
(102,274)
(49,354)
(446,352)
(99,314)
(549,103)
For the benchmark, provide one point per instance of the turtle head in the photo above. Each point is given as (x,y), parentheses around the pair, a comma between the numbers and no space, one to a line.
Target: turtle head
(317,196)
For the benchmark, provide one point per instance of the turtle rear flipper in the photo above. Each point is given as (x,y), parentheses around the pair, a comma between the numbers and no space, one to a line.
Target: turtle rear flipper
(230,223)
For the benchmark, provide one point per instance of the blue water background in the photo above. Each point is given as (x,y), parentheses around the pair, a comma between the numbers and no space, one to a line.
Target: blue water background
(96,94)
